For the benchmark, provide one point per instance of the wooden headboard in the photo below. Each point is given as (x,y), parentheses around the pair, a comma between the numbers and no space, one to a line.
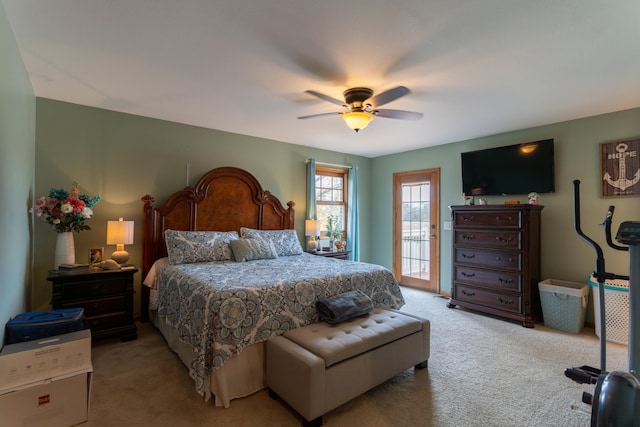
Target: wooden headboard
(224,199)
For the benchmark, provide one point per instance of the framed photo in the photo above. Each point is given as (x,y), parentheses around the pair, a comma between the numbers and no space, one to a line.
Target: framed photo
(96,255)
(620,168)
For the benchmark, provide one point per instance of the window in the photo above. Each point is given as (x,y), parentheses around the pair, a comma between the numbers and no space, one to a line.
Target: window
(331,198)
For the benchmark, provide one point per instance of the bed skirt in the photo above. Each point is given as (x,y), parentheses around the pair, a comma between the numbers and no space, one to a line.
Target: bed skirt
(240,376)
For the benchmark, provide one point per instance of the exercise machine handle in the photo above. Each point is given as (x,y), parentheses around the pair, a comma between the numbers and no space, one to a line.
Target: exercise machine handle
(600,270)
(607,231)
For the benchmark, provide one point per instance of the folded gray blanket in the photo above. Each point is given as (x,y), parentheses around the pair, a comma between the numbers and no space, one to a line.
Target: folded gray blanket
(344,306)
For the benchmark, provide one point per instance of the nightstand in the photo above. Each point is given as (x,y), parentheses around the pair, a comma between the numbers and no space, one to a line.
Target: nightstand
(105,295)
(331,254)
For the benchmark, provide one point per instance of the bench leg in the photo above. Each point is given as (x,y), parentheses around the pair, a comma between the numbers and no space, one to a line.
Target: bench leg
(316,422)
(422,365)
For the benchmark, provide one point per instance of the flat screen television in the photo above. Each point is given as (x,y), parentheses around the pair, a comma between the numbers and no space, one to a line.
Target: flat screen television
(512,169)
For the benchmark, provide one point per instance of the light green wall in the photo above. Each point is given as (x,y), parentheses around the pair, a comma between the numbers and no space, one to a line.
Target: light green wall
(123,157)
(577,144)
(17,146)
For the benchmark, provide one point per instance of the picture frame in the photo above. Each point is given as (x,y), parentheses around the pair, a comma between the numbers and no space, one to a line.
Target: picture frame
(620,168)
(96,255)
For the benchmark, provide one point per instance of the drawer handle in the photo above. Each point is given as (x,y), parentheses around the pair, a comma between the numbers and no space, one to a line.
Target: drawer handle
(498,258)
(472,256)
(466,237)
(499,218)
(467,274)
(505,281)
(468,294)
(505,301)
(468,218)
(503,240)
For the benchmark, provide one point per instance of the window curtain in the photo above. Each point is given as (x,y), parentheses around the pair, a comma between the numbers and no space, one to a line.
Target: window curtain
(311,189)
(353,228)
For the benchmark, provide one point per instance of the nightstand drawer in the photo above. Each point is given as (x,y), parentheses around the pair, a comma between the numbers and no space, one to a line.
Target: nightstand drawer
(93,288)
(101,306)
(111,321)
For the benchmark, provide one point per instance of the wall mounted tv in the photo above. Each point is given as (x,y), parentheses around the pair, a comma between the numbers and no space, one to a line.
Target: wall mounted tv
(513,169)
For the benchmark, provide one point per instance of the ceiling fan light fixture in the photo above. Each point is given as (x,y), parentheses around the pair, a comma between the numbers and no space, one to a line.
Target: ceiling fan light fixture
(357,120)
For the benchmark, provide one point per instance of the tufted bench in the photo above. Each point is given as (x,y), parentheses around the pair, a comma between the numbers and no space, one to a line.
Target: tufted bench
(319,367)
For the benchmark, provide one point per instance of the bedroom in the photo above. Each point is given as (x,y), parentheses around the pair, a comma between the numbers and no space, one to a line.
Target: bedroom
(49,143)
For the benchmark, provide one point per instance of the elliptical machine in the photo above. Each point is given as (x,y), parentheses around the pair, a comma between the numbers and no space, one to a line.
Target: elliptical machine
(616,399)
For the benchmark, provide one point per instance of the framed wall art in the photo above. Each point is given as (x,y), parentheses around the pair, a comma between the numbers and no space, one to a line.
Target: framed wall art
(96,255)
(620,168)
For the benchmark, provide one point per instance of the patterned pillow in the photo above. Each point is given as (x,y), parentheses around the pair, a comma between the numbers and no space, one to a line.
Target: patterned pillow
(187,247)
(285,241)
(250,249)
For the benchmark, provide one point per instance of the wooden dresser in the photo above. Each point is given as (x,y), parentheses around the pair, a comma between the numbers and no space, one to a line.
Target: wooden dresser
(496,260)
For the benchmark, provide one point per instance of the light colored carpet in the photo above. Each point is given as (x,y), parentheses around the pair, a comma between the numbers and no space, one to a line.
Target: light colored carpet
(482,371)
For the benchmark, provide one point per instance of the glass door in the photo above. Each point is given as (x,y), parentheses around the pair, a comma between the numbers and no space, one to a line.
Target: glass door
(416,228)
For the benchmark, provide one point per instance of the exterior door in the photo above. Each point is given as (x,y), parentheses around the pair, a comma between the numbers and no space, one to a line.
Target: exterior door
(416,207)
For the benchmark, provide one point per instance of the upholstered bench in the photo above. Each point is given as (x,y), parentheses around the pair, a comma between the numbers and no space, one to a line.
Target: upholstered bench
(319,367)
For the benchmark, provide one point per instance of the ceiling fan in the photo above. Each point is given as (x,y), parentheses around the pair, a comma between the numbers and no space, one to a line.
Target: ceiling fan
(362,105)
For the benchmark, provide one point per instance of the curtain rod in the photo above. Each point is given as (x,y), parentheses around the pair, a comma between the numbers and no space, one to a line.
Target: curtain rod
(331,165)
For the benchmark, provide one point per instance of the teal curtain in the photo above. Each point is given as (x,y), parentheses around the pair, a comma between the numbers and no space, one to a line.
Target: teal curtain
(311,189)
(353,231)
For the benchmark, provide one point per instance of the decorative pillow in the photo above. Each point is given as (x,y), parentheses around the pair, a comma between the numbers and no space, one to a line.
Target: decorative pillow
(285,241)
(250,249)
(187,247)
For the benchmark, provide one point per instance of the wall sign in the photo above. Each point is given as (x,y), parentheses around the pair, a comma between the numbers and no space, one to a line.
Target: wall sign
(620,168)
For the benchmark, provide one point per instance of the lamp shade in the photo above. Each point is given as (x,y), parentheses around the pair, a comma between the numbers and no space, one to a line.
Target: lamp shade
(311,227)
(119,232)
(357,120)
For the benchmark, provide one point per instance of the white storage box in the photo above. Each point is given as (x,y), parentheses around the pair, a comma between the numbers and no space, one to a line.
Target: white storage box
(564,304)
(32,361)
(616,308)
(57,402)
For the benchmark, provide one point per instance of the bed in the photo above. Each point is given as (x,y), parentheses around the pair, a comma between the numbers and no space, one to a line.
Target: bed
(217,312)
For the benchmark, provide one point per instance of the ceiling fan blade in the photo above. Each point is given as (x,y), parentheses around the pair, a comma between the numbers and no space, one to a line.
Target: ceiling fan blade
(326,98)
(319,115)
(398,114)
(388,96)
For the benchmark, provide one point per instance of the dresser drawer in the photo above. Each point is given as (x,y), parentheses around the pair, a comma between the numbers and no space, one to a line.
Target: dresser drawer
(490,239)
(498,300)
(494,279)
(512,219)
(93,288)
(493,259)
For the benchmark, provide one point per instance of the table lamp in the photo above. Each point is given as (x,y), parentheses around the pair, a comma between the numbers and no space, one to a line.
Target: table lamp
(120,233)
(311,229)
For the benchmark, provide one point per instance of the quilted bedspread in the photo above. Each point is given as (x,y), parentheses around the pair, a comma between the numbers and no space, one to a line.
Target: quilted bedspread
(220,308)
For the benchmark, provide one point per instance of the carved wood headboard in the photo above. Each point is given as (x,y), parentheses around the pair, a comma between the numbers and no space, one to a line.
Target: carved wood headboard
(224,199)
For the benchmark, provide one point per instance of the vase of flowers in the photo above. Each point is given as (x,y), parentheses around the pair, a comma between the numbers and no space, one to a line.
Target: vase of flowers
(66,212)
(334,230)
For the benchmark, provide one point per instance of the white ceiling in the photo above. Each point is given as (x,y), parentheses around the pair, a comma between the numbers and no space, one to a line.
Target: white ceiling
(475,68)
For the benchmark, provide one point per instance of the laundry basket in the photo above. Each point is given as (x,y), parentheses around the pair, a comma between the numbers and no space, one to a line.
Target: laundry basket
(564,304)
(616,308)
